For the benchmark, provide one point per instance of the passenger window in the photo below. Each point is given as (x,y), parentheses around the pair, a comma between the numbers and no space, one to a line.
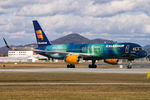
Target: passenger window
(137,48)
(140,48)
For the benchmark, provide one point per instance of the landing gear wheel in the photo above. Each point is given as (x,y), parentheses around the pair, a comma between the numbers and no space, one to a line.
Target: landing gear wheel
(129,66)
(92,66)
(70,66)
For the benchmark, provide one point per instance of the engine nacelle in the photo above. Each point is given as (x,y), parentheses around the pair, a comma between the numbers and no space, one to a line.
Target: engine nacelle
(72,59)
(111,61)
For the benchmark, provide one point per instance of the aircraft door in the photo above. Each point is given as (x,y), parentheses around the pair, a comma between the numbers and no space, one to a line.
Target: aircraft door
(127,49)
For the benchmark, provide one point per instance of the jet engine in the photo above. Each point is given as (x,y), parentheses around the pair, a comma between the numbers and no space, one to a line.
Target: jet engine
(111,61)
(72,59)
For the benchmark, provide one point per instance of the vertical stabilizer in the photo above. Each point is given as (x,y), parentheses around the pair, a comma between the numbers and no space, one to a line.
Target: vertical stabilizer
(41,38)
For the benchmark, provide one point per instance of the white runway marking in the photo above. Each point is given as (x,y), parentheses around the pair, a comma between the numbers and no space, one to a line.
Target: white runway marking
(86,70)
(46,83)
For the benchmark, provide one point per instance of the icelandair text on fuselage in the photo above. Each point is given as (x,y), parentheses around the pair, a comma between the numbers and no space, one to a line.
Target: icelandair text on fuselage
(109,46)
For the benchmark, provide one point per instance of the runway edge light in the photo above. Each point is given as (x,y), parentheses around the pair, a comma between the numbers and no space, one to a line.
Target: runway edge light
(148,74)
(15,63)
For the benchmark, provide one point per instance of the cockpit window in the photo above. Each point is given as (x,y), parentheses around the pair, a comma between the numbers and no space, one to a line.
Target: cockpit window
(137,48)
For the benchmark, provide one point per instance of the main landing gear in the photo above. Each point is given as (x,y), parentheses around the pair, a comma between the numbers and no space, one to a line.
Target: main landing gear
(70,66)
(93,64)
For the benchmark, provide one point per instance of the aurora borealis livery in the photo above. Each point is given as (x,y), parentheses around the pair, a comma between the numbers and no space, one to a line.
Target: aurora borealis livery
(72,53)
(102,51)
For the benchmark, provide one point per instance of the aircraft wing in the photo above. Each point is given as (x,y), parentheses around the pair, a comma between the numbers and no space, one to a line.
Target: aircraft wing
(61,53)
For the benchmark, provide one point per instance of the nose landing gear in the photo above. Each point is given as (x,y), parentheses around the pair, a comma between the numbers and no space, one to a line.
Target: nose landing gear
(129,66)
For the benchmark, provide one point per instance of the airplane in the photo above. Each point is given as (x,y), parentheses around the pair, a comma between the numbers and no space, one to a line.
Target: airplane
(73,53)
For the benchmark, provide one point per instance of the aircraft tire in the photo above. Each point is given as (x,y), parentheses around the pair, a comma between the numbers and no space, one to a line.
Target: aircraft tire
(95,66)
(70,66)
(92,66)
(129,67)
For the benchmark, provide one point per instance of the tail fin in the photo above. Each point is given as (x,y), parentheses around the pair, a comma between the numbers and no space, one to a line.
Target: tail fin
(40,35)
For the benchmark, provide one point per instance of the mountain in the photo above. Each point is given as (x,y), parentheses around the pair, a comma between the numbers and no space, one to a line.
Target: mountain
(71,38)
(76,38)
(99,41)
(4,50)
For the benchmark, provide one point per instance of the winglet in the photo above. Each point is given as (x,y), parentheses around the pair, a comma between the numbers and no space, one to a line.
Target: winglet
(6,43)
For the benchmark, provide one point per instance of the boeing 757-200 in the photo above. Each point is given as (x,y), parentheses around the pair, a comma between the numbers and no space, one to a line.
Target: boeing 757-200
(72,53)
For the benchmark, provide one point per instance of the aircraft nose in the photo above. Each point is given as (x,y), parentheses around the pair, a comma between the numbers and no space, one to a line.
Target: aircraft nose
(142,53)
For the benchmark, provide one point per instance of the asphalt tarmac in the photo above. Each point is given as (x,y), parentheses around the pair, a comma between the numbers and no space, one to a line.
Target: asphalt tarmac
(82,70)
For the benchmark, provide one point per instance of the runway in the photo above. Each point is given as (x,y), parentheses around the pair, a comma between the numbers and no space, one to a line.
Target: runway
(75,84)
(81,70)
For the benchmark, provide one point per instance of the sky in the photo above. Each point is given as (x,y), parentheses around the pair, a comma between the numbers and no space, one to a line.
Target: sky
(118,20)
